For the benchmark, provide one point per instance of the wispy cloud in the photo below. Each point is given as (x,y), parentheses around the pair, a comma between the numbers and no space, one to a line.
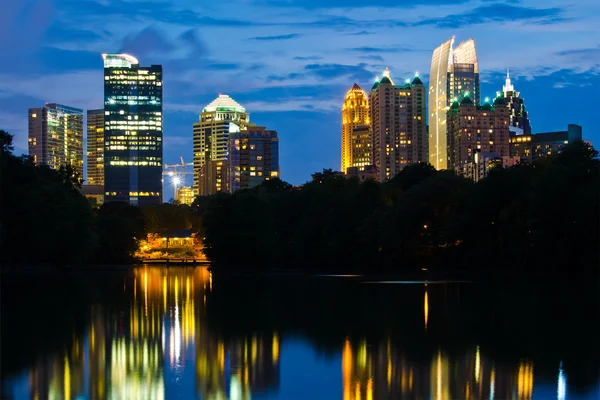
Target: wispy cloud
(278,37)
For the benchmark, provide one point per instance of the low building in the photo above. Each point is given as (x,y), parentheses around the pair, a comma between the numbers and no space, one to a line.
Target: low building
(541,145)
(171,244)
(483,163)
(94,192)
(362,173)
(185,195)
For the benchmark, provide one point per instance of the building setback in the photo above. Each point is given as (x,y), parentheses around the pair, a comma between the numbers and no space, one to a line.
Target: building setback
(95,148)
(361,152)
(476,129)
(453,72)
(217,121)
(355,114)
(133,131)
(253,157)
(399,130)
(519,119)
(56,136)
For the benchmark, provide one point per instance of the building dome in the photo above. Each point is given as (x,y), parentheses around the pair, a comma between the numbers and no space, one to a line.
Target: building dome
(499,101)
(224,103)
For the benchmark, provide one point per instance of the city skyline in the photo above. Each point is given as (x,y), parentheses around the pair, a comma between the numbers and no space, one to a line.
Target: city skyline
(291,80)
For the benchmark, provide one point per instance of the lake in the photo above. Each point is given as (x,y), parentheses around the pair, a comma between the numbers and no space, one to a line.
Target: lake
(182,333)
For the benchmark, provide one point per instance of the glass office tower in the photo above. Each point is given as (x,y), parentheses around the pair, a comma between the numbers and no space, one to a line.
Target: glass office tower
(56,136)
(133,148)
(453,73)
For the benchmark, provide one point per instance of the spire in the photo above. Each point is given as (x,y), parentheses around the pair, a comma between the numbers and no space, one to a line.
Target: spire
(508,87)
(386,72)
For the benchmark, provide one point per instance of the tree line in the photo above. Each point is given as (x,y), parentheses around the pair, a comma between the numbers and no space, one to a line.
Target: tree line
(45,220)
(542,217)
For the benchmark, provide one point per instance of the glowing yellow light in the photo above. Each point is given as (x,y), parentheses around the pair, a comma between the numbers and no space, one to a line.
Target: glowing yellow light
(426,309)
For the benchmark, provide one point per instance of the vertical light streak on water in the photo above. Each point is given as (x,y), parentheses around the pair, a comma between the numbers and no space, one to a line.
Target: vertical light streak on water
(562,383)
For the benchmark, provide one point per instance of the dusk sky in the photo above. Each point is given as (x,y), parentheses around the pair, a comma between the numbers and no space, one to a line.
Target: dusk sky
(290,62)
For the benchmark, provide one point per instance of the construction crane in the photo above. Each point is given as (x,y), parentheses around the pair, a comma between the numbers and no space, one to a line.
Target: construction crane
(177,178)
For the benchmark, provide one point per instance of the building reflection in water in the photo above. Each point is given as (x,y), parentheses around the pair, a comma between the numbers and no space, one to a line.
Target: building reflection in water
(164,332)
(379,370)
(164,335)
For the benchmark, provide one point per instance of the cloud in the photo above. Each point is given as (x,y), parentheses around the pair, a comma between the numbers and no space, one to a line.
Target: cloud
(371,58)
(360,33)
(320,4)
(147,10)
(278,37)
(308,58)
(367,49)
(494,13)
(328,71)
(587,54)
(148,41)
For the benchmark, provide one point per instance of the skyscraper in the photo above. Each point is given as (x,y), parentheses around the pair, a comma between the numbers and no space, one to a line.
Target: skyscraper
(519,119)
(253,157)
(56,136)
(355,112)
(95,147)
(218,120)
(453,72)
(133,148)
(399,131)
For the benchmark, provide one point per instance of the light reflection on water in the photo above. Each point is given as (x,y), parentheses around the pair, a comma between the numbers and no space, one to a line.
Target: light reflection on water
(164,345)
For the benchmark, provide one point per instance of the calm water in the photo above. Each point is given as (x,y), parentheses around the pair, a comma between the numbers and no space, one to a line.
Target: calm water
(154,333)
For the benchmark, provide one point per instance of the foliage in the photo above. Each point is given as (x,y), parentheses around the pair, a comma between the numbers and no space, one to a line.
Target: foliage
(543,215)
(44,218)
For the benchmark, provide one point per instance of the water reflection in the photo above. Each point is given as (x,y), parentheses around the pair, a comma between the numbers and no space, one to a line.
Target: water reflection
(173,338)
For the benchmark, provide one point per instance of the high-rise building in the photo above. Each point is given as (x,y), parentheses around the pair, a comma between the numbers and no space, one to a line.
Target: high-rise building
(56,136)
(519,119)
(454,72)
(253,157)
(95,148)
(399,130)
(476,129)
(218,120)
(213,178)
(361,152)
(355,113)
(133,130)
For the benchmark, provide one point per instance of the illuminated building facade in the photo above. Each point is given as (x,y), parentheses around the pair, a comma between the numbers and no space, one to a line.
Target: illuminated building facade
(185,195)
(56,136)
(361,152)
(483,163)
(95,148)
(540,145)
(218,120)
(253,157)
(548,143)
(398,126)
(473,129)
(453,72)
(213,178)
(519,119)
(355,114)
(133,133)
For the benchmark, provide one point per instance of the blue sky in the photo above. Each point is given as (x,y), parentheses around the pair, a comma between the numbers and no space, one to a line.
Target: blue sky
(290,62)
